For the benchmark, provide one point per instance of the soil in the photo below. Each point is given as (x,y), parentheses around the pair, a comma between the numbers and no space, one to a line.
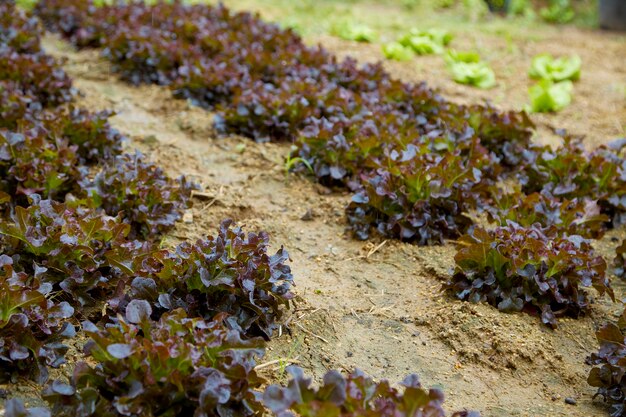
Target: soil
(371,305)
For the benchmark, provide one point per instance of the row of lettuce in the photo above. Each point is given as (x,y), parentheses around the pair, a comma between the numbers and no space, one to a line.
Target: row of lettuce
(422,169)
(417,163)
(171,331)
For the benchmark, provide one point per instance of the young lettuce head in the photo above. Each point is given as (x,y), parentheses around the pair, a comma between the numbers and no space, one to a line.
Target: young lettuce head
(545,66)
(397,52)
(547,96)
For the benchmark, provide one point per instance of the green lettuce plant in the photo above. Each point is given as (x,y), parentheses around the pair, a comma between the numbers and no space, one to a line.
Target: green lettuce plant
(548,96)
(546,67)
(397,52)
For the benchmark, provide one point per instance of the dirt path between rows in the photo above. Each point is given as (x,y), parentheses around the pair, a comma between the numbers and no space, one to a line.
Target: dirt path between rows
(382,313)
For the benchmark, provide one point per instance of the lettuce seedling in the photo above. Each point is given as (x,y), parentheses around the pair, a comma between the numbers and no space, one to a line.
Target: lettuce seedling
(422,44)
(228,273)
(425,42)
(148,199)
(352,31)
(397,52)
(32,324)
(573,172)
(79,251)
(466,68)
(19,31)
(528,269)
(546,67)
(35,163)
(547,96)
(421,197)
(354,395)
(453,56)
(609,371)
(574,217)
(176,366)
(477,74)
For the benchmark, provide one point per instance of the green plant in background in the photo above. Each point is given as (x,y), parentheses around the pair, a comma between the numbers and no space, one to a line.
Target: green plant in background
(353,31)
(559,11)
(521,8)
(548,96)
(545,66)
(424,42)
(453,56)
(397,52)
(467,68)
(444,4)
(475,9)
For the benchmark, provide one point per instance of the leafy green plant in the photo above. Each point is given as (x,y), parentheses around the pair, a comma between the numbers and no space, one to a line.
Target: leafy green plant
(148,199)
(558,11)
(39,75)
(228,273)
(609,371)
(422,198)
(19,31)
(176,366)
(32,324)
(477,74)
(528,269)
(546,67)
(547,96)
(35,163)
(424,42)
(453,56)
(467,68)
(354,395)
(562,216)
(352,31)
(571,171)
(78,251)
(397,52)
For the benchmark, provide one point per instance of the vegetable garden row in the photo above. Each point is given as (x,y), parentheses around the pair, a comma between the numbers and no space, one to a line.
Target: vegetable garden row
(172,332)
(81,221)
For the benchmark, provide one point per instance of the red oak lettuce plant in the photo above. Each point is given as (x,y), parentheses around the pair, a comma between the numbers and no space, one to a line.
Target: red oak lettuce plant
(229,273)
(573,172)
(574,217)
(528,268)
(148,199)
(79,251)
(354,395)
(32,324)
(176,366)
(609,371)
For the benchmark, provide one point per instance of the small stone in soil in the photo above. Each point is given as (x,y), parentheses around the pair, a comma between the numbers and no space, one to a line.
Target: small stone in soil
(308,216)
(349,354)
(570,401)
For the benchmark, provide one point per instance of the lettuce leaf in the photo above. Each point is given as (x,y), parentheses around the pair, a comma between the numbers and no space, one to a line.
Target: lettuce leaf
(478,74)
(352,31)
(547,96)
(425,42)
(397,52)
(545,66)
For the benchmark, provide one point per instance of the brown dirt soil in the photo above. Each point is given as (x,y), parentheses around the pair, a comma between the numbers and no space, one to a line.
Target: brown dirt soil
(369,305)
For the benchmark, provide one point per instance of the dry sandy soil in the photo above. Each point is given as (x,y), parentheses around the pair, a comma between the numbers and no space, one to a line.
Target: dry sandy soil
(375,305)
